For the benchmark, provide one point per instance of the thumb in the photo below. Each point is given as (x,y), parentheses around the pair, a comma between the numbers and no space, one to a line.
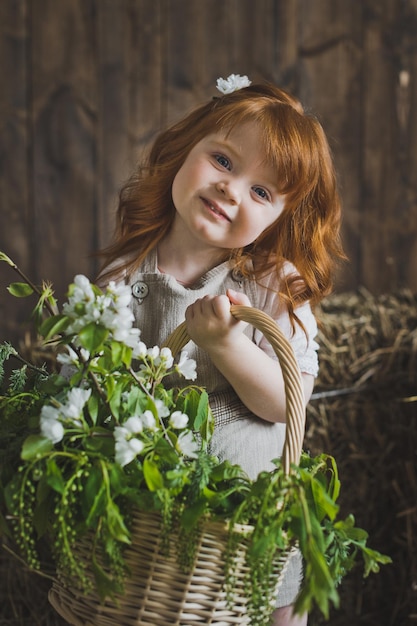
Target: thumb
(237,297)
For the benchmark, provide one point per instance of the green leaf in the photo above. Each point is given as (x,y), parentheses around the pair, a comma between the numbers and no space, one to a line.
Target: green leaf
(116,353)
(137,401)
(120,354)
(117,480)
(100,440)
(189,404)
(372,560)
(192,514)
(92,337)
(93,406)
(319,585)
(153,476)
(42,513)
(43,490)
(54,325)
(94,496)
(54,477)
(127,356)
(34,446)
(165,450)
(202,411)
(4,257)
(115,523)
(20,290)
(196,406)
(106,586)
(115,398)
(334,485)
(324,504)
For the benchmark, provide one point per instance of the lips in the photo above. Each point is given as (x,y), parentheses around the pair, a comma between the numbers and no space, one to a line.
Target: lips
(216,209)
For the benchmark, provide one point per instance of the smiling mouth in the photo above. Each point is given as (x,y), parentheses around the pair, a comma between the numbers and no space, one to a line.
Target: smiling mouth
(216,210)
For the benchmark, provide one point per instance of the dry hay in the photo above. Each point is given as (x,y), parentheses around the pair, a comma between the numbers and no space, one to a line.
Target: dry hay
(363,412)
(24,595)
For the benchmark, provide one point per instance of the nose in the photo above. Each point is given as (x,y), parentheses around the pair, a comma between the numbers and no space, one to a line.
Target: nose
(228,190)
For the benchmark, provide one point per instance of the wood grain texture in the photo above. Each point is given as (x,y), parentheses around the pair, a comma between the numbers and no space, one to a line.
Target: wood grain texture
(15,148)
(64,121)
(330,87)
(86,84)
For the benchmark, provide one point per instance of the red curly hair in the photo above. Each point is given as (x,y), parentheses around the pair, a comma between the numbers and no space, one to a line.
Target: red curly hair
(307,232)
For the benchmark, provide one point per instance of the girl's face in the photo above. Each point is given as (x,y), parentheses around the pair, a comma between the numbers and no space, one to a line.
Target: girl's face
(225,193)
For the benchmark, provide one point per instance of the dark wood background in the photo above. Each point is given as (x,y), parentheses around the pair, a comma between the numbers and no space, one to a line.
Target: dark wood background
(85,84)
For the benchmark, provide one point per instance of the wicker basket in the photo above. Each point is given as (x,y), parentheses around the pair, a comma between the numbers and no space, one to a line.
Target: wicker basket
(157,592)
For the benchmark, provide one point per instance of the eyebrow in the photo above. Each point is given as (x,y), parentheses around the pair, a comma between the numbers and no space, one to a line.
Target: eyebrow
(226,145)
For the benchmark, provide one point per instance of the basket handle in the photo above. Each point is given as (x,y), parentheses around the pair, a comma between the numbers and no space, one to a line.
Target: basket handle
(294,392)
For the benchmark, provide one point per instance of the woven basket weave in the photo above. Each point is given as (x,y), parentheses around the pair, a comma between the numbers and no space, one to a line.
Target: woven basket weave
(157,592)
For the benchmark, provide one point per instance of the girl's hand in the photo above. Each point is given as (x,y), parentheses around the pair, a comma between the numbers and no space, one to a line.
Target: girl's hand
(209,319)
(256,378)
(236,297)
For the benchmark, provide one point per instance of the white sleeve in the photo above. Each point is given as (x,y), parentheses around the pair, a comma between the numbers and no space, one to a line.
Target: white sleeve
(304,345)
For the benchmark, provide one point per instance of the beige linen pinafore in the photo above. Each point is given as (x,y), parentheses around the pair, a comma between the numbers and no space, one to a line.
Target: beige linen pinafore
(159,305)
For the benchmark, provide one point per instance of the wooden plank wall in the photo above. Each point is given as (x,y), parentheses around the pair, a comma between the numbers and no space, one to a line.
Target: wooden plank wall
(85,84)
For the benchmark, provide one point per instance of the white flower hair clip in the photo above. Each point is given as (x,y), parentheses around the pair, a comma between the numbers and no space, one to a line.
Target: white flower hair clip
(232,83)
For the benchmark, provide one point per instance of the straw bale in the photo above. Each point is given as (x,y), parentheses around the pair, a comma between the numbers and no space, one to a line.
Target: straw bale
(364,412)
(24,595)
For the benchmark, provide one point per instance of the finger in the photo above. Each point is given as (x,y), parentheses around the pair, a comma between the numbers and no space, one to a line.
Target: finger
(236,297)
(201,306)
(221,306)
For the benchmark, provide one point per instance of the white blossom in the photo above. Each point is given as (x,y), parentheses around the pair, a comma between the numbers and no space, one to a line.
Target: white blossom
(233,83)
(139,350)
(52,429)
(117,321)
(148,420)
(111,309)
(126,446)
(127,450)
(49,412)
(83,288)
(161,408)
(134,424)
(50,424)
(68,359)
(186,366)
(53,419)
(165,357)
(187,444)
(178,420)
(153,353)
(76,401)
(122,293)
(121,433)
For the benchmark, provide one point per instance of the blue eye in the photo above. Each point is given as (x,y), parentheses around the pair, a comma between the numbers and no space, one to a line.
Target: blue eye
(261,192)
(222,160)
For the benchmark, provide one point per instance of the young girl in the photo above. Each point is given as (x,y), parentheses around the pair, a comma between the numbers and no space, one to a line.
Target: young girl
(237,203)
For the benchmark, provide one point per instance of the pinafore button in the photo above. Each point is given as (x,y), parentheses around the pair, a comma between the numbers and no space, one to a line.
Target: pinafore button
(140,290)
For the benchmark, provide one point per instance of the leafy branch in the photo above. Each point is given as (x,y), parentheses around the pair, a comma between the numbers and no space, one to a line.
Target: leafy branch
(81,453)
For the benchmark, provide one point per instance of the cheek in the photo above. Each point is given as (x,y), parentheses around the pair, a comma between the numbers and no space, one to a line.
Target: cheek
(186,179)
(250,229)
(174,189)
(179,185)
(264,222)
(258,225)
(272,219)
